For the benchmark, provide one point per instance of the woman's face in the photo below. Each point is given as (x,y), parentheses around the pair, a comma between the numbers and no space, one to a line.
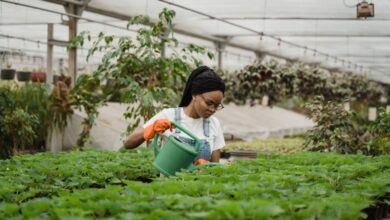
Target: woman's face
(208,103)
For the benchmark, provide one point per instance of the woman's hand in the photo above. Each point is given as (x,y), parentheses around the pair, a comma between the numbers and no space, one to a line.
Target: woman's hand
(159,126)
(215,155)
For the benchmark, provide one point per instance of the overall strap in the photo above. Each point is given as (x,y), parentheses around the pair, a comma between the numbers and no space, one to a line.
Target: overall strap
(177,117)
(206,123)
(206,127)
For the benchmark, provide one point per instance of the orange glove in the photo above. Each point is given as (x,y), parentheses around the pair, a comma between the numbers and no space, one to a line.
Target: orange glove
(159,126)
(200,162)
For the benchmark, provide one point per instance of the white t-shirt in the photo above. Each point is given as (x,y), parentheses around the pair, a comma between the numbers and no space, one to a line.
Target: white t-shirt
(195,126)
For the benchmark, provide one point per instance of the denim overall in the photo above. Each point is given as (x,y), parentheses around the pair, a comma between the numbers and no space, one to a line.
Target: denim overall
(205,151)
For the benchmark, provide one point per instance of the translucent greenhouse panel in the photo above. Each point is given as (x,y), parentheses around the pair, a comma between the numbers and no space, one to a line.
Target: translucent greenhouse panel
(328,27)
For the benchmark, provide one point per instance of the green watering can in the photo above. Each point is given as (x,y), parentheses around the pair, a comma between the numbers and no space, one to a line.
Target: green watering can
(175,154)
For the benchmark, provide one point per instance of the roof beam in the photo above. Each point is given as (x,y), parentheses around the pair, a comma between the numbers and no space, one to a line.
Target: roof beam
(179,31)
(316,35)
(302,18)
(23,23)
(62,2)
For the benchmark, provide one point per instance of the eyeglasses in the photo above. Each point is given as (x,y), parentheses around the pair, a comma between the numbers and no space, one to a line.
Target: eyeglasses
(211,104)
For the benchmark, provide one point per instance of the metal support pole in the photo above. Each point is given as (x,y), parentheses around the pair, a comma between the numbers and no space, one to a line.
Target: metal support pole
(49,57)
(72,52)
(164,35)
(220,49)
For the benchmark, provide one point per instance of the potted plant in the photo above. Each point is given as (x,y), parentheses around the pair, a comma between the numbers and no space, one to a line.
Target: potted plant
(8,74)
(24,75)
(60,105)
(38,76)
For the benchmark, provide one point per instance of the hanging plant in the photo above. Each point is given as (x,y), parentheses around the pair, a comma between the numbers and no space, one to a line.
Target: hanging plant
(257,80)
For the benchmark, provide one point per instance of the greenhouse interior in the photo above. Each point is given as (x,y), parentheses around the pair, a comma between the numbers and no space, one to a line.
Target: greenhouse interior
(194,109)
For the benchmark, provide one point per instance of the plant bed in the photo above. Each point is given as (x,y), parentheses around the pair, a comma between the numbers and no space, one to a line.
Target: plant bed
(7,74)
(266,146)
(243,154)
(100,184)
(50,174)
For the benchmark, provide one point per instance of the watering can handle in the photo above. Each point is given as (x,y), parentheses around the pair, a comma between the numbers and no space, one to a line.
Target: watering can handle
(155,139)
(156,150)
(196,139)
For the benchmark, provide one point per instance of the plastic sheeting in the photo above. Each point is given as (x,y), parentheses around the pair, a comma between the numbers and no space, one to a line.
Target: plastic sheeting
(313,31)
(248,123)
(241,122)
(108,131)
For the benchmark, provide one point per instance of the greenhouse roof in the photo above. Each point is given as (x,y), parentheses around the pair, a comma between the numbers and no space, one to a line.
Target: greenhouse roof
(327,33)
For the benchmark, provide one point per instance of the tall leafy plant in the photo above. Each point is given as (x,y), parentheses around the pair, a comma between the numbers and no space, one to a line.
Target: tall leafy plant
(19,121)
(346,132)
(34,99)
(7,104)
(19,127)
(380,132)
(334,130)
(87,95)
(60,103)
(146,80)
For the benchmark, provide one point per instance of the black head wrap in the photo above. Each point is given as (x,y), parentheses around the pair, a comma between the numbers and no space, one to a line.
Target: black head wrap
(201,80)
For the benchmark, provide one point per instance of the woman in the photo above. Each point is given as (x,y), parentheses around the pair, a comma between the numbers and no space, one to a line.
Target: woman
(202,97)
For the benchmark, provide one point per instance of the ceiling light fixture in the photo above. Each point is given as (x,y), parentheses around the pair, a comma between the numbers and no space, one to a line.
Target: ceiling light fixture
(365,9)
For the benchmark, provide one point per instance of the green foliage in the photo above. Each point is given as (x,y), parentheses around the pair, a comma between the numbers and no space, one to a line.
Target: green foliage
(345,132)
(312,82)
(334,130)
(380,133)
(60,105)
(87,95)
(257,80)
(34,99)
(136,72)
(7,104)
(281,82)
(46,175)
(382,124)
(93,184)
(23,118)
(18,125)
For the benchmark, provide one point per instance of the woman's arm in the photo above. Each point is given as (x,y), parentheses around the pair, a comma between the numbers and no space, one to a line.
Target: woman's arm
(134,139)
(215,155)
